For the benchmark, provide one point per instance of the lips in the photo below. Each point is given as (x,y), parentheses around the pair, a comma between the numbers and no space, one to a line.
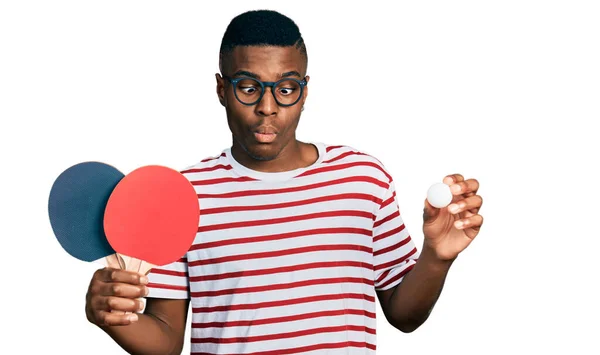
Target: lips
(265,135)
(265,131)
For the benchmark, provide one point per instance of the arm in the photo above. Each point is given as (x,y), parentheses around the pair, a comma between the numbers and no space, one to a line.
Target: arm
(447,232)
(408,305)
(160,330)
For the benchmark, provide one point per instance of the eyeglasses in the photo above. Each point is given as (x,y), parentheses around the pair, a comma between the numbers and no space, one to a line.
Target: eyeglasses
(249,91)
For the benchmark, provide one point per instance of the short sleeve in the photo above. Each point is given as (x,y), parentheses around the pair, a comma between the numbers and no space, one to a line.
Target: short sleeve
(169,281)
(394,251)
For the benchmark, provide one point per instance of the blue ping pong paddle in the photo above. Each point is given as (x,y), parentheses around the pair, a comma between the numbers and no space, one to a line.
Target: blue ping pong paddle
(76,207)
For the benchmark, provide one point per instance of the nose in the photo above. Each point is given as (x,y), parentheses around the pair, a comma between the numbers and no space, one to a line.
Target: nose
(267,106)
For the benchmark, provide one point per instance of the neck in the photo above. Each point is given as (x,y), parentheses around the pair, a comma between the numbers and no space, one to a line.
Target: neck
(291,157)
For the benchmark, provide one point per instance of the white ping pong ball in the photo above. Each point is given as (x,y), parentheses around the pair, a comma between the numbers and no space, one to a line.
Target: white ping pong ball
(439,195)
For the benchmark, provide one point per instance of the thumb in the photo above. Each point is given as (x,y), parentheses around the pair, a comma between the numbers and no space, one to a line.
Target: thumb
(429,212)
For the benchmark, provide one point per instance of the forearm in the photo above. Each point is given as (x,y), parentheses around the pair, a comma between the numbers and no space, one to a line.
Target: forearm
(148,336)
(414,298)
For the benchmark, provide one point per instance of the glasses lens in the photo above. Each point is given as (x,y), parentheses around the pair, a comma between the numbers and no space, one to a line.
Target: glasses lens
(248,91)
(287,92)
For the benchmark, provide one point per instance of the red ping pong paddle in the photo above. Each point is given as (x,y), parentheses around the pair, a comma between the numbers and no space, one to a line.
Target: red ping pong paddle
(151,218)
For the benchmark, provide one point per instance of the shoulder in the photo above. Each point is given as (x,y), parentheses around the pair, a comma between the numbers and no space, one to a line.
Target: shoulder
(212,165)
(358,160)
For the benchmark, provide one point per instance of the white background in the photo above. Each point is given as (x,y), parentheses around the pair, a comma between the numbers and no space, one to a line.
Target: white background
(506,92)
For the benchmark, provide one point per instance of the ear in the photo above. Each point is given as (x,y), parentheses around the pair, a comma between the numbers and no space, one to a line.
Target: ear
(221,89)
(305,92)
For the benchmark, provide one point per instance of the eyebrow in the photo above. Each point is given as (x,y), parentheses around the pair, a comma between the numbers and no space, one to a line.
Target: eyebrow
(290,73)
(256,76)
(245,73)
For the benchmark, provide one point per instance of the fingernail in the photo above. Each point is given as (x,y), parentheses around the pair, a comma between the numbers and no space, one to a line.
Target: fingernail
(455,188)
(453,208)
(146,291)
(144,280)
(458,224)
(133,318)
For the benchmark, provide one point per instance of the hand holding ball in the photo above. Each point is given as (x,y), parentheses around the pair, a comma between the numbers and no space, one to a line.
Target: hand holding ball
(439,195)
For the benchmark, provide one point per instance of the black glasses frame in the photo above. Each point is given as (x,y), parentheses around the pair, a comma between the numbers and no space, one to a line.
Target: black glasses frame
(265,84)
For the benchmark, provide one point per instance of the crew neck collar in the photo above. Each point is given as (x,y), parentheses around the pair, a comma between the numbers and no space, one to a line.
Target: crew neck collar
(279,176)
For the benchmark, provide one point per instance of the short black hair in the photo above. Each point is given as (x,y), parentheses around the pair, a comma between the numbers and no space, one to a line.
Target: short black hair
(261,28)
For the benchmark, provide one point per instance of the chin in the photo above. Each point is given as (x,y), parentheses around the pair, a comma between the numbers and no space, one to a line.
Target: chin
(263,152)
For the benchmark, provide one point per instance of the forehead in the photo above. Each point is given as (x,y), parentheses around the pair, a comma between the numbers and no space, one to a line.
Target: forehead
(267,61)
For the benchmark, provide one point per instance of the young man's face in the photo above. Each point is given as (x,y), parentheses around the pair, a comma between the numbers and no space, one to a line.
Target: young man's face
(262,130)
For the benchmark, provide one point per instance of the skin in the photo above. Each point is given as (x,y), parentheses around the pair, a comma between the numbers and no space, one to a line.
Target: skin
(447,232)
(266,64)
(161,328)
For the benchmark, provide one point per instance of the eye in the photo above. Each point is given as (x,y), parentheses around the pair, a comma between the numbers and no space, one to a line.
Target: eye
(248,89)
(286,91)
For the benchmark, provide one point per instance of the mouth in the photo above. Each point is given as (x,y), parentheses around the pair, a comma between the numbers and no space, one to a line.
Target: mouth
(265,135)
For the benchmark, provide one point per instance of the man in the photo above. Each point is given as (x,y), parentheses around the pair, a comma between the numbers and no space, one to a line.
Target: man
(295,239)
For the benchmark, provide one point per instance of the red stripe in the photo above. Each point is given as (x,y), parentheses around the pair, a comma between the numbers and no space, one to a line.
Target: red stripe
(169,272)
(281,236)
(221,180)
(264,222)
(182,260)
(388,233)
(303,349)
(332,147)
(282,303)
(392,247)
(345,166)
(279,253)
(254,322)
(397,277)
(367,179)
(285,286)
(395,262)
(167,287)
(388,218)
(388,201)
(292,203)
(210,168)
(212,158)
(298,333)
(279,270)
(383,275)
(343,155)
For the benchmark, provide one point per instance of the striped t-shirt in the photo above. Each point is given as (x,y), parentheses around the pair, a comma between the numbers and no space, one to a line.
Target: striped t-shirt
(289,262)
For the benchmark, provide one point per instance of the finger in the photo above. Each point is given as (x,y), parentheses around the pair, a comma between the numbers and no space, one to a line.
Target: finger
(474,222)
(452,179)
(124,276)
(471,204)
(123,290)
(468,187)
(429,212)
(114,319)
(111,303)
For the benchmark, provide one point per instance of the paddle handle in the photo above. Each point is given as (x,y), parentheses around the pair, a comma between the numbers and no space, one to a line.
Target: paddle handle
(145,267)
(113,261)
(136,265)
(124,262)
